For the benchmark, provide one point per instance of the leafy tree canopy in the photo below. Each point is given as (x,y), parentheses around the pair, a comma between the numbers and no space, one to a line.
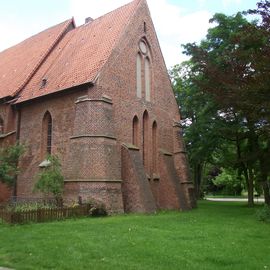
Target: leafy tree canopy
(9,158)
(50,180)
(224,94)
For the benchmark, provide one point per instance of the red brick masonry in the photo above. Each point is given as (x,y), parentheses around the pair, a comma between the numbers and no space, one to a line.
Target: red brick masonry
(86,80)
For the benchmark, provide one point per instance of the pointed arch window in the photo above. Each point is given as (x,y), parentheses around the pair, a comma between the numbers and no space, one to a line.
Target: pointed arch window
(139,75)
(47,134)
(154,147)
(147,78)
(135,131)
(145,139)
(1,125)
(143,71)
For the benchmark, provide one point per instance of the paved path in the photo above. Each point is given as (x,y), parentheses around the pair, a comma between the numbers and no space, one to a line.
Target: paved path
(233,199)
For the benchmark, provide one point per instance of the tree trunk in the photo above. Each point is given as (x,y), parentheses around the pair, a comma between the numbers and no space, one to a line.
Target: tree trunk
(250,187)
(266,192)
(248,177)
(197,179)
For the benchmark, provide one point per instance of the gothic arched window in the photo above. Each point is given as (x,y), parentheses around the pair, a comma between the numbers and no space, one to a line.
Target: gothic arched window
(143,71)
(147,78)
(145,138)
(47,134)
(135,131)
(154,147)
(139,76)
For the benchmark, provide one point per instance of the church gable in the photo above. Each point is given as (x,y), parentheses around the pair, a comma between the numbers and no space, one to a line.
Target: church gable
(145,112)
(139,66)
(115,132)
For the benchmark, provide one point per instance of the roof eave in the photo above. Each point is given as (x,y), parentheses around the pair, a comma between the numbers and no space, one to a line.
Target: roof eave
(90,84)
(6,99)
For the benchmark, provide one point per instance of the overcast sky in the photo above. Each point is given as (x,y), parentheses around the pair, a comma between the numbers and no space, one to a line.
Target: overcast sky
(176,21)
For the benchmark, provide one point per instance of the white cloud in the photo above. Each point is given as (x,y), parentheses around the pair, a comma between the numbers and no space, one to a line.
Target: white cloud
(227,3)
(201,3)
(174,28)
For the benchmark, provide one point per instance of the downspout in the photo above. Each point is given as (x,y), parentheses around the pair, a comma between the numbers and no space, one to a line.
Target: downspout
(18,128)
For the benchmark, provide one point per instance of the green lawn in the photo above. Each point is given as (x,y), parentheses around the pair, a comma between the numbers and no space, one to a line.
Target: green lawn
(217,235)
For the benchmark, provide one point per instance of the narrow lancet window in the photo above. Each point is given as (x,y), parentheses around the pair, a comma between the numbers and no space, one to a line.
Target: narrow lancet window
(46,135)
(154,147)
(139,76)
(147,79)
(135,131)
(145,139)
(144,71)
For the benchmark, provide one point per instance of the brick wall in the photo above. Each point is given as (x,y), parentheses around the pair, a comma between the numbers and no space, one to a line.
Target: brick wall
(118,80)
(8,137)
(62,110)
(5,192)
(137,195)
(108,193)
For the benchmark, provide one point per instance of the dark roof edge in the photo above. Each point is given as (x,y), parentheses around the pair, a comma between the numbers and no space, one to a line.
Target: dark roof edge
(90,83)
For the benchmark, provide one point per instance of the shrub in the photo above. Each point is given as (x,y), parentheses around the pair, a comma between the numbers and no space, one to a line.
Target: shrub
(9,158)
(97,208)
(264,214)
(50,180)
(228,182)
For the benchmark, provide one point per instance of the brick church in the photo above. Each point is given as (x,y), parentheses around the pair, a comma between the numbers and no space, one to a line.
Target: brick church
(99,97)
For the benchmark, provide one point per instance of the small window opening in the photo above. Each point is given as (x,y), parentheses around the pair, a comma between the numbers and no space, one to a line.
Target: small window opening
(43,83)
(144,27)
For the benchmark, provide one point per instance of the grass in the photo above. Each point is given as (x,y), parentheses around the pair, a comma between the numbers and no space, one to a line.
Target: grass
(217,235)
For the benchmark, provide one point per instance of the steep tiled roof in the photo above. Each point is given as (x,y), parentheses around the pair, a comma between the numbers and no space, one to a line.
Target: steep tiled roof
(80,55)
(19,63)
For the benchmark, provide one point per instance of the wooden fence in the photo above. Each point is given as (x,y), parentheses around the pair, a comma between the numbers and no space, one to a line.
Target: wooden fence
(43,215)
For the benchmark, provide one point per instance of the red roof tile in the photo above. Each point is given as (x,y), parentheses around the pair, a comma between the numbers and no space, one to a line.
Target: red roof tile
(80,55)
(19,63)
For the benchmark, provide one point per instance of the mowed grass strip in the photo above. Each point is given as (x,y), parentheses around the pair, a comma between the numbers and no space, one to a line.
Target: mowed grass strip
(217,235)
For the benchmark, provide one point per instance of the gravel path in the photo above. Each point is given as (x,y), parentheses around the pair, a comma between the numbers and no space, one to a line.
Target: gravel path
(232,200)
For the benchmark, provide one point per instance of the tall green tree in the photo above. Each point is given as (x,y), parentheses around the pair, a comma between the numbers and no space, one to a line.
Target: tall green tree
(233,64)
(198,119)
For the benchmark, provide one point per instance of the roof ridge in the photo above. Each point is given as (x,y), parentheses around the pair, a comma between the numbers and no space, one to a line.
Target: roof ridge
(47,52)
